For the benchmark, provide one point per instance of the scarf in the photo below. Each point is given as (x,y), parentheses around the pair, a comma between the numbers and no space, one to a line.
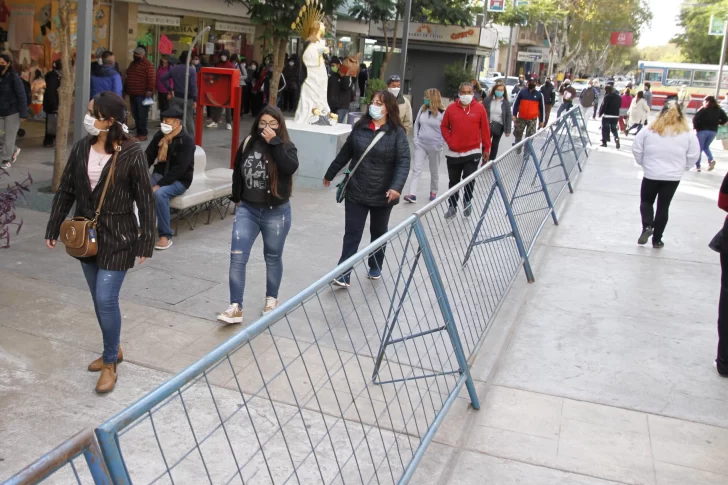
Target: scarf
(164,144)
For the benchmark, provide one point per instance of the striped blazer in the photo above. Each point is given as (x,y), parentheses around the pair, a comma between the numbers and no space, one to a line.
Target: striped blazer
(120,238)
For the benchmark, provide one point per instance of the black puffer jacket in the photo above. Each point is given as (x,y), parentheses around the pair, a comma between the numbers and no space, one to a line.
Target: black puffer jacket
(385,167)
(13,98)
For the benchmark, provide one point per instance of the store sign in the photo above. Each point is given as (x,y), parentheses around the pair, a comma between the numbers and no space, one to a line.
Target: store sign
(228,27)
(154,19)
(526,56)
(489,38)
(447,34)
(717,25)
(181,29)
(621,38)
(496,5)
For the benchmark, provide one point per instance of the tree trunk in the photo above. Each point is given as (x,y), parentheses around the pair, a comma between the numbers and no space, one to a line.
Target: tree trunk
(279,56)
(65,93)
(389,48)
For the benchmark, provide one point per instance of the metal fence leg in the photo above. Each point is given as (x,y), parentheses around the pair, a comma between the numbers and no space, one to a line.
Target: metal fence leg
(514,225)
(573,147)
(109,445)
(96,464)
(583,132)
(478,226)
(543,182)
(563,164)
(447,314)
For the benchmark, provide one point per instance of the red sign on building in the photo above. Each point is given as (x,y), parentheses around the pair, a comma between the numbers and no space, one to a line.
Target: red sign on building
(621,38)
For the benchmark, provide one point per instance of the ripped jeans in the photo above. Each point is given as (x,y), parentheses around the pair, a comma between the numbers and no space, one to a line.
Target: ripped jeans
(274,224)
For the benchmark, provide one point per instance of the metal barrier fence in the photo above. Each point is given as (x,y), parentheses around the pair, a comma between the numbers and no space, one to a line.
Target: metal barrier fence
(349,386)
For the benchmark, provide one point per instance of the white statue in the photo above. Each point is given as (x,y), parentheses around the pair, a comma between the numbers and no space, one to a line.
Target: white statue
(313,106)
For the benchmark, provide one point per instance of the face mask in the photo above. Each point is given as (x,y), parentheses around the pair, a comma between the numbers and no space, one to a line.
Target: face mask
(375,112)
(137,59)
(100,61)
(89,123)
(223,58)
(254,67)
(466,99)
(334,69)
(427,102)
(394,91)
(291,64)
(531,86)
(166,129)
(195,62)
(4,68)
(499,94)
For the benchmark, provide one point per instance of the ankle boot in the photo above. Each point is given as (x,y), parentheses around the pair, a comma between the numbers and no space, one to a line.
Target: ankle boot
(107,381)
(98,364)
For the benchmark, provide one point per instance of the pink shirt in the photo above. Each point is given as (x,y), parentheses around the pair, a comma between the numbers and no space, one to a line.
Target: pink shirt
(96,163)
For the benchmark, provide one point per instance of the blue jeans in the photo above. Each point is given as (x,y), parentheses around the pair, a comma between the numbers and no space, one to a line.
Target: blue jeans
(140,113)
(161,199)
(705,138)
(105,286)
(343,113)
(274,224)
(564,107)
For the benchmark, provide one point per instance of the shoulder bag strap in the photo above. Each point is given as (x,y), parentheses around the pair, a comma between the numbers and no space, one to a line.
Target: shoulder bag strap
(109,176)
(366,152)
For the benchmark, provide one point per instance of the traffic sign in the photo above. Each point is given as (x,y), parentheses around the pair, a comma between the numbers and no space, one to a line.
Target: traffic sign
(717,26)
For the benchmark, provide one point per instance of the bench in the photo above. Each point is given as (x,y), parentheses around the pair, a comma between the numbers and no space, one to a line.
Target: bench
(210,190)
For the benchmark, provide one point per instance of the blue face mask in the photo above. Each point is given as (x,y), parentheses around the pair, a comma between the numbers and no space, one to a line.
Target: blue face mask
(375,112)
(427,102)
(499,94)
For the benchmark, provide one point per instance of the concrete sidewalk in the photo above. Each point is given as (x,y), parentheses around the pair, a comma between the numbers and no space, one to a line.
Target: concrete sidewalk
(600,372)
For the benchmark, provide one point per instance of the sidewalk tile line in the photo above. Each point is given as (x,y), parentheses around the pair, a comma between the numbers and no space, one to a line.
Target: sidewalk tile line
(602,251)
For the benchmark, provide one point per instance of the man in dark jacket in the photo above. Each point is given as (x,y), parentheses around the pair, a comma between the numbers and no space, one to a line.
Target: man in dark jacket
(173,149)
(293,84)
(549,98)
(50,103)
(178,75)
(140,82)
(105,77)
(340,91)
(13,108)
(609,112)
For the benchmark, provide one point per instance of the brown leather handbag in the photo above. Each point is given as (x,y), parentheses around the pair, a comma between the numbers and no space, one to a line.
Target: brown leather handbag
(79,233)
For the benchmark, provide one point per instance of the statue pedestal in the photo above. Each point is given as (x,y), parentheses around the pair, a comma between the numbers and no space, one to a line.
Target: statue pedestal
(317,147)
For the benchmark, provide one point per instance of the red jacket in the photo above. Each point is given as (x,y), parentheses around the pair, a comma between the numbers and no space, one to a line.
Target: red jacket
(225,65)
(140,78)
(466,128)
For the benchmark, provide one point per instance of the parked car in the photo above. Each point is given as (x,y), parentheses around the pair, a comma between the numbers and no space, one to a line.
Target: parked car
(488,83)
(579,85)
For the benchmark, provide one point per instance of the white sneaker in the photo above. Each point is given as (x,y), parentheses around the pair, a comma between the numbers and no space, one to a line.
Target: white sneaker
(212,124)
(270,304)
(234,314)
(229,126)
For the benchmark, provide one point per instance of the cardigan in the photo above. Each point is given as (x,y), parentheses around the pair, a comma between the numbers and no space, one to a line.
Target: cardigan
(120,239)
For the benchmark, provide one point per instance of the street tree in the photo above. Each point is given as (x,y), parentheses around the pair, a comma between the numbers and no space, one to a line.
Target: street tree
(277,16)
(695,43)
(66,12)
(390,13)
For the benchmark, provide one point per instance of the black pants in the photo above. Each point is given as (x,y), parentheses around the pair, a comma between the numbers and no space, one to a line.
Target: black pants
(596,106)
(246,99)
(140,113)
(290,99)
(356,218)
(663,191)
(51,125)
(609,124)
(162,102)
(722,358)
(496,132)
(459,168)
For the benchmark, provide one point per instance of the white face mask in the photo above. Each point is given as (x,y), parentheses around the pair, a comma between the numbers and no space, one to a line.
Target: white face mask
(291,64)
(195,61)
(394,91)
(166,129)
(375,112)
(89,123)
(466,99)
(223,58)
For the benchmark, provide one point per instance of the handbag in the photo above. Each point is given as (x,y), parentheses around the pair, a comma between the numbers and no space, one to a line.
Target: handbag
(716,244)
(79,233)
(341,188)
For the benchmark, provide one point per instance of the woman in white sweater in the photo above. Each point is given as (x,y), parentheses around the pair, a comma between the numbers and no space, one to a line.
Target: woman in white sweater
(639,112)
(428,144)
(665,150)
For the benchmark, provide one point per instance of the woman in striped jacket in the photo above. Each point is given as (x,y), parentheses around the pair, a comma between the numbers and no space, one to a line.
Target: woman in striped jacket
(120,239)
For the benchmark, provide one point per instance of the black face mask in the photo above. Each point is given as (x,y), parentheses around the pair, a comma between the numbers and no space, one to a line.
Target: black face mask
(137,59)
(531,86)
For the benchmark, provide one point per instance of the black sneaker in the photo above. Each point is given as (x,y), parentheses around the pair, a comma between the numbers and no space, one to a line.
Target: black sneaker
(468,210)
(451,212)
(604,144)
(617,143)
(658,244)
(646,233)
(722,374)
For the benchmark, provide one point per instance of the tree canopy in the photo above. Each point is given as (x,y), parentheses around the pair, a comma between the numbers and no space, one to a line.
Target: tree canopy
(695,43)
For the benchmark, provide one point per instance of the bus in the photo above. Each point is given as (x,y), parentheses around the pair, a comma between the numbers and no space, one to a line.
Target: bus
(667,77)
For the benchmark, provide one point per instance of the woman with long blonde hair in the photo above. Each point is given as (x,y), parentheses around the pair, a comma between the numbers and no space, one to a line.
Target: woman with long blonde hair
(428,143)
(665,150)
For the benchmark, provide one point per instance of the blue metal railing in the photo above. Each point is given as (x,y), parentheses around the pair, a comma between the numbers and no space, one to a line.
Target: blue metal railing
(342,386)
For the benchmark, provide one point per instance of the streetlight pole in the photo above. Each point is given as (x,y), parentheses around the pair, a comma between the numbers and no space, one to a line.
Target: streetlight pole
(83,67)
(510,49)
(405,41)
(722,59)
